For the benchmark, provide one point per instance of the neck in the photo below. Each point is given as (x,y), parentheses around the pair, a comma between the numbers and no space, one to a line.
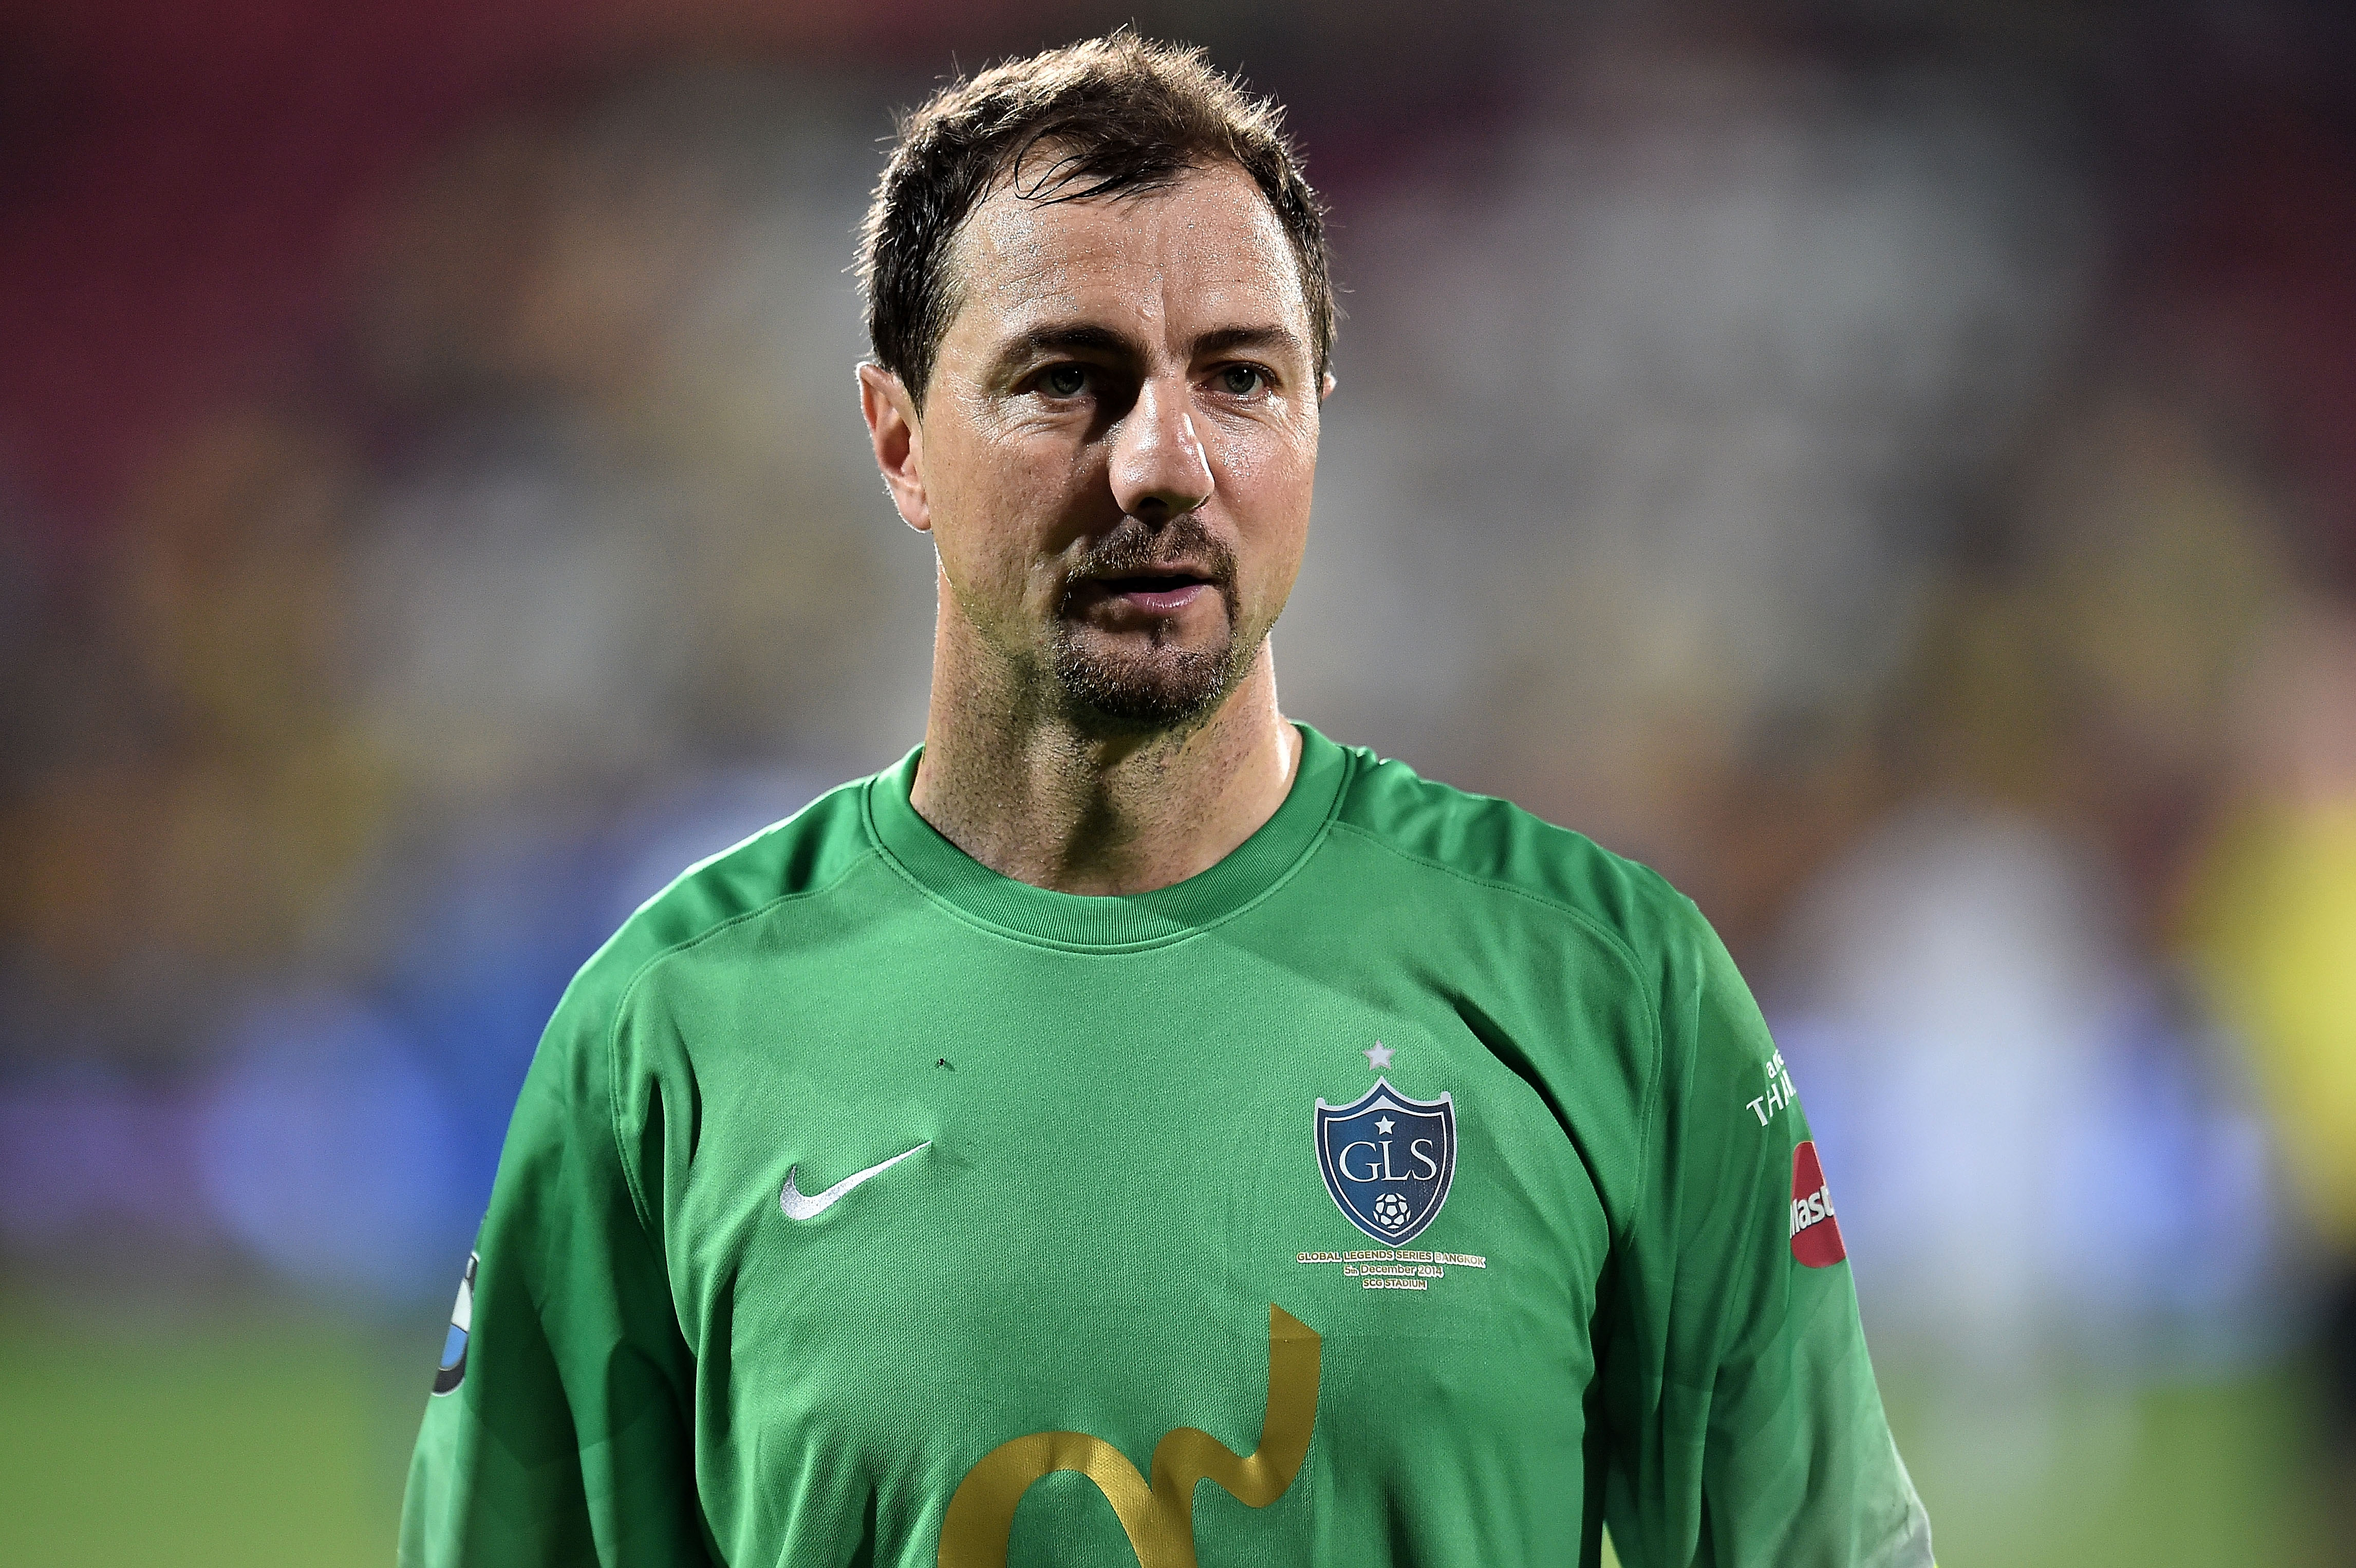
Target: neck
(1036,798)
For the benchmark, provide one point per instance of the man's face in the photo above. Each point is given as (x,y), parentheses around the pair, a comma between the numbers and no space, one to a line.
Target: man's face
(1117,448)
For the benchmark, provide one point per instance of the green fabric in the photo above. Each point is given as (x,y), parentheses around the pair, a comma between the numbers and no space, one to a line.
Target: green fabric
(1606,1319)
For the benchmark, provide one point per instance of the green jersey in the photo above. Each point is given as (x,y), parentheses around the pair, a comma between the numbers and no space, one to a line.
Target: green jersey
(1420,1177)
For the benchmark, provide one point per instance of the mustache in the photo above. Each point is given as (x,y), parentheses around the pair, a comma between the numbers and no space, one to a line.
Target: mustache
(1137,550)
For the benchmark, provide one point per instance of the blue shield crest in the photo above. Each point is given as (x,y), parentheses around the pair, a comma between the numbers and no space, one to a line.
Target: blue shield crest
(1387,1160)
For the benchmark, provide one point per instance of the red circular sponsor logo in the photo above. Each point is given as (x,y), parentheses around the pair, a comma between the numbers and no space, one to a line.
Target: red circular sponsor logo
(1816,1232)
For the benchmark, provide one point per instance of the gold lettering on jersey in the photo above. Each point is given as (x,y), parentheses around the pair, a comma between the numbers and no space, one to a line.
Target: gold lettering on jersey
(1395,1269)
(1157,1519)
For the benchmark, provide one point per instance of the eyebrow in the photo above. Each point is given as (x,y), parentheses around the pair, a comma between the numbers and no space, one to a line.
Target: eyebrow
(1075,338)
(1228,338)
(1081,338)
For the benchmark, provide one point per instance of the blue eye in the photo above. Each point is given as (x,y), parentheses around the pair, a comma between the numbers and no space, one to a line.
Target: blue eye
(1064,381)
(1240,380)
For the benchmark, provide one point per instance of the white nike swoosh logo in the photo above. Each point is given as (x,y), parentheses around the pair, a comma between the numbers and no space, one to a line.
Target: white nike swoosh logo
(798,1207)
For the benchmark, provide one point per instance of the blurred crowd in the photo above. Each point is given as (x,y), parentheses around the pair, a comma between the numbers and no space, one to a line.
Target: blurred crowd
(1897,483)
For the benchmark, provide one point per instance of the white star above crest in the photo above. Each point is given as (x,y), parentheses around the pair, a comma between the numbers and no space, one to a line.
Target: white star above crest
(1379,1057)
(1383,1124)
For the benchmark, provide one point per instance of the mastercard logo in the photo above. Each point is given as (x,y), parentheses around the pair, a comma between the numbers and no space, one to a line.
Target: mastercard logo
(1815,1232)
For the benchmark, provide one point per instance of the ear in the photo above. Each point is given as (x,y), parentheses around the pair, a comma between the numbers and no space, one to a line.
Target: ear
(898,441)
(1325,387)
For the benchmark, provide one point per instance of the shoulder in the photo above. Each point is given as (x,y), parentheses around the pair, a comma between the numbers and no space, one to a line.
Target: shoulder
(797,858)
(1494,849)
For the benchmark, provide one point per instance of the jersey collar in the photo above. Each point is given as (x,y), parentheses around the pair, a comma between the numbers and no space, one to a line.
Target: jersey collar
(1255,868)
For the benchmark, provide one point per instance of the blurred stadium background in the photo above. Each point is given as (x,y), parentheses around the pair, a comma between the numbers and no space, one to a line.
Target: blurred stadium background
(1889,466)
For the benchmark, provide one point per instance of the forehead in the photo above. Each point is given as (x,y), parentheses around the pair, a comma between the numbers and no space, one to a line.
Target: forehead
(1203,251)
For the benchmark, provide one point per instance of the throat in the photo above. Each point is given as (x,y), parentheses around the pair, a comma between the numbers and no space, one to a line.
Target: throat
(1033,798)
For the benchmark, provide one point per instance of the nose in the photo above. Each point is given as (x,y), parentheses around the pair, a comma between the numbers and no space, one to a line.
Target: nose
(1160,470)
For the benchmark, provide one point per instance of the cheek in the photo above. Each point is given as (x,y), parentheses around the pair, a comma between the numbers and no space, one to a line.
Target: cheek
(995,510)
(1269,483)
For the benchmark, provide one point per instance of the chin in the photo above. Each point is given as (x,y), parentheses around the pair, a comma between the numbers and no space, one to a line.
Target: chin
(1153,688)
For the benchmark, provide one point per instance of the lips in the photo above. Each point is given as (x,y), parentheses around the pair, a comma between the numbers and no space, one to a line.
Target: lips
(1140,575)
(1160,592)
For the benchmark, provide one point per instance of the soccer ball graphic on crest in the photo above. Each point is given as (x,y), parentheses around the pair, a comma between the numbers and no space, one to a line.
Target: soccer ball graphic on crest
(1392,1209)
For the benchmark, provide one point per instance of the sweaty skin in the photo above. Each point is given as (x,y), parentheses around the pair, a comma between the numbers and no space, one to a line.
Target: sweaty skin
(1115,457)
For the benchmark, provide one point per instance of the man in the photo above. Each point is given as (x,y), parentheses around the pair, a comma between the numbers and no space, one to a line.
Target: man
(1131,1089)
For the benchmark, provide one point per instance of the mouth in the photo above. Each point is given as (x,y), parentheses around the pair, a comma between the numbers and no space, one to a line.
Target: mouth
(1162,592)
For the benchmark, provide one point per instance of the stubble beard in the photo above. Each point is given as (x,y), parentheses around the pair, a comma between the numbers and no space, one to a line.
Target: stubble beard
(1160,687)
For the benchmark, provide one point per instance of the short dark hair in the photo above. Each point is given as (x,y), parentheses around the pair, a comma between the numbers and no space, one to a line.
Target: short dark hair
(1121,113)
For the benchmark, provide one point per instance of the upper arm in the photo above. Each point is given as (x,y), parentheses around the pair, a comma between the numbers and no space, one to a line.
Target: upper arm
(568,1438)
(1747,1427)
